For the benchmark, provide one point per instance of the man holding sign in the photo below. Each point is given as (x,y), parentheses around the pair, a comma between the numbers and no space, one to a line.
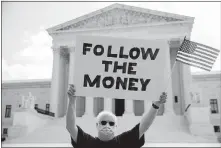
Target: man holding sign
(106,126)
(116,68)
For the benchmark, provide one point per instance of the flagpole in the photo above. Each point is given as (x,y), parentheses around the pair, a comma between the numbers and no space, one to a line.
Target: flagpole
(168,108)
(169,77)
(170,72)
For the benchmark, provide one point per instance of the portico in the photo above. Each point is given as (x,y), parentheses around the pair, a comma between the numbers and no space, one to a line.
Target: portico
(119,21)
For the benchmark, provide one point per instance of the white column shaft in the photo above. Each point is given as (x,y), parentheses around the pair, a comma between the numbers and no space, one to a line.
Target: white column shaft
(55,82)
(108,104)
(58,84)
(129,107)
(71,65)
(168,84)
(71,69)
(89,106)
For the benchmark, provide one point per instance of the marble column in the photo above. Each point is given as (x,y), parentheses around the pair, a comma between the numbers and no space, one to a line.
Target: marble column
(58,83)
(129,108)
(71,64)
(184,79)
(168,80)
(71,71)
(108,104)
(89,107)
(66,57)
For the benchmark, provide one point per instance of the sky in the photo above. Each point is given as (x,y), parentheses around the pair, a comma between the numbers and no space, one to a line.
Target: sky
(26,46)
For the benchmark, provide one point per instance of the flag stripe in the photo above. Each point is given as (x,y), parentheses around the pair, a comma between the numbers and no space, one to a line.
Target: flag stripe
(202,56)
(213,53)
(210,49)
(190,63)
(193,61)
(216,50)
(195,57)
(205,53)
(183,61)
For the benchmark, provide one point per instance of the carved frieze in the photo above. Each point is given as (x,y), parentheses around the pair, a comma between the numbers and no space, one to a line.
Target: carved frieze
(119,17)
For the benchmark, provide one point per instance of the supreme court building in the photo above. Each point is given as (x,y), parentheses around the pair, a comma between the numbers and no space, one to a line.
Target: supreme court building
(124,21)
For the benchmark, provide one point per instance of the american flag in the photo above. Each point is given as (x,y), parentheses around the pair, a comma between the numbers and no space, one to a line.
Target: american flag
(197,55)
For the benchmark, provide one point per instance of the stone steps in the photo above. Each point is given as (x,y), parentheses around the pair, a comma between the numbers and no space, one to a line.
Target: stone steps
(167,128)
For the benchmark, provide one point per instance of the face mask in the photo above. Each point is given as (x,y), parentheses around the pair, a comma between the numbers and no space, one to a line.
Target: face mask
(107,133)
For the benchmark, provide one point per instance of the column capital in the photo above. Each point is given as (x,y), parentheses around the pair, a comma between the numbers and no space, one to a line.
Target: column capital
(55,48)
(175,42)
(71,49)
(64,52)
(67,48)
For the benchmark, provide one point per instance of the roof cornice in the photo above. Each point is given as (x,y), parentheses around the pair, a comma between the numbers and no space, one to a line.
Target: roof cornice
(120,6)
(121,27)
(26,84)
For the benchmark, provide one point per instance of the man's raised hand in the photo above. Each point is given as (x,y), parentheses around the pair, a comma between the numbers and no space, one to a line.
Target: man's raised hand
(71,92)
(162,99)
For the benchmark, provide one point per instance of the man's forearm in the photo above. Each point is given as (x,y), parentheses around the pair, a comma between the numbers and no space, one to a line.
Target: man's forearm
(150,116)
(147,120)
(71,114)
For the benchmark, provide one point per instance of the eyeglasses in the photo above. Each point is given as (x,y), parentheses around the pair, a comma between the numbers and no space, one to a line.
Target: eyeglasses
(105,122)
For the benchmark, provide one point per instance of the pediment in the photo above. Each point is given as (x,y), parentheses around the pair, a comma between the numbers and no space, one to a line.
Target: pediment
(118,15)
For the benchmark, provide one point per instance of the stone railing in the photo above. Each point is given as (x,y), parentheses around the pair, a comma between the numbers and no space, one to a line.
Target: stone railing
(45,112)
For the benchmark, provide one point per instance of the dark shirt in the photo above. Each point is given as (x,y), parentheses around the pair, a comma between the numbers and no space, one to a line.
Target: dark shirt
(128,139)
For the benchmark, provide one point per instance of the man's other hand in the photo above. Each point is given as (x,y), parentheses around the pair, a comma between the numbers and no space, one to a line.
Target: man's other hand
(161,100)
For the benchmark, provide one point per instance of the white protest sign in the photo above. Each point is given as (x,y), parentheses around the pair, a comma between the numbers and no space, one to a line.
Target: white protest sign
(119,68)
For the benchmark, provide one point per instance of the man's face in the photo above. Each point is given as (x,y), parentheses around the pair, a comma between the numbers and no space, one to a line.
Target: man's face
(106,127)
